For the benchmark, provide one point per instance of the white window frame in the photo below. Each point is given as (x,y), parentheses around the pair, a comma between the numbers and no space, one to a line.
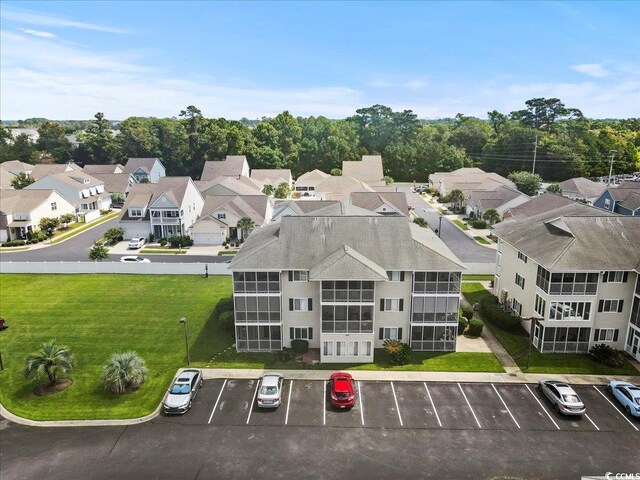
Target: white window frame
(581,308)
(517,307)
(303,276)
(522,256)
(391,333)
(301,304)
(540,304)
(613,305)
(391,304)
(341,348)
(54,206)
(615,274)
(365,347)
(300,333)
(133,212)
(520,281)
(608,334)
(353,349)
(327,349)
(394,275)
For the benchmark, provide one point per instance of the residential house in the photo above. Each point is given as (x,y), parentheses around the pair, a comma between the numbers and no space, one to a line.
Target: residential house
(9,170)
(145,169)
(581,188)
(540,204)
(231,166)
(116,182)
(164,209)
(467,180)
(272,177)
(283,208)
(92,169)
(340,283)
(575,274)
(43,169)
(501,199)
(384,203)
(84,191)
(623,199)
(305,186)
(220,215)
(226,186)
(368,170)
(22,210)
(339,188)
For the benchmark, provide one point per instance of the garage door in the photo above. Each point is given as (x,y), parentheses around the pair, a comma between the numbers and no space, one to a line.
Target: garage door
(131,231)
(208,238)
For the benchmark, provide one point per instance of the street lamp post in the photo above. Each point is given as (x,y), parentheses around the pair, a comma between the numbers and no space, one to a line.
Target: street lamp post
(183,321)
(439,226)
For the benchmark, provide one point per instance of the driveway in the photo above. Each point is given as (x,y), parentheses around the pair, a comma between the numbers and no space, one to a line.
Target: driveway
(465,248)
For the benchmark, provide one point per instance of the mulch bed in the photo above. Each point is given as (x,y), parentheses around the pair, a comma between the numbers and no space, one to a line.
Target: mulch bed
(45,389)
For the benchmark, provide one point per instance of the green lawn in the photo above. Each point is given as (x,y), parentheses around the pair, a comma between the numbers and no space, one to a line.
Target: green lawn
(482,240)
(421,361)
(77,228)
(570,363)
(227,252)
(96,315)
(476,278)
(460,224)
(164,251)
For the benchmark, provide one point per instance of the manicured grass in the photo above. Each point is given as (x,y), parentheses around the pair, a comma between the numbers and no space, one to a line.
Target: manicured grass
(482,240)
(166,251)
(474,292)
(12,249)
(227,252)
(570,363)
(476,278)
(421,362)
(64,234)
(460,224)
(96,315)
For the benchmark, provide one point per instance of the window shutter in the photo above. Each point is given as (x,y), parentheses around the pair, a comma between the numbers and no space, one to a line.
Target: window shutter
(291,304)
(625,277)
(291,333)
(402,276)
(382,304)
(400,334)
(310,333)
(596,335)
(381,334)
(290,276)
(620,304)
(605,277)
(401,304)
(310,304)
(615,335)
(600,305)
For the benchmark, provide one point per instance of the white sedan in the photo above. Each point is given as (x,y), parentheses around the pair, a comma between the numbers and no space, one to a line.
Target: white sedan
(134,259)
(136,242)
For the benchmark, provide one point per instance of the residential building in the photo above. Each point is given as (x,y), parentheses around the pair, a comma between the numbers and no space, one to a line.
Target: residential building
(220,215)
(9,170)
(501,199)
(92,169)
(340,283)
(226,186)
(22,210)
(581,188)
(43,169)
(575,274)
(283,208)
(87,193)
(467,180)
(623,199)
(384,203)
(116,182)
(305,186)
(540,204)
(231,166)
(368,170)
(339,188)
(164,209)
(272,177)
(145,169)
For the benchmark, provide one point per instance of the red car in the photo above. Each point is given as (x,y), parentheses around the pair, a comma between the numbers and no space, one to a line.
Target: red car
(342,393)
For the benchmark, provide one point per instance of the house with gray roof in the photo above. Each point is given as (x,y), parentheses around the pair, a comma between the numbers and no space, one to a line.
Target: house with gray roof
(273,177)
(337,282)
(501,198)
(467,180)
(368,170)
(339,188)
(92,169)
(537,205)
(145,169)
(623,199)
(225,186)
(283,208)
(384,203)
(574,270)
(43,169)
(581,188)
(9,170)
(305,186)
(231,166)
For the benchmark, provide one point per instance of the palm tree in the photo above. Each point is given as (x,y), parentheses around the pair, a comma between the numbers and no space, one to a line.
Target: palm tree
(245,224)
(555,188)
(491,215)
(267,189)
(124,371)
(456,197)
(51,360)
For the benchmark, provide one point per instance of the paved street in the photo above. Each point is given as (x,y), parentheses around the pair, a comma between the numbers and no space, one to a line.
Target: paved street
(396,430)
(464,247)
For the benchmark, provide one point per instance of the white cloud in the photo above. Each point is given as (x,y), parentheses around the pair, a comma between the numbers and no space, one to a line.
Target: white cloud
(592,69)
(36,18)
(38,33)
(413,84)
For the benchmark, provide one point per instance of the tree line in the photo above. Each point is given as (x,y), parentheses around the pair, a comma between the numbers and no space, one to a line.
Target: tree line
(563,141)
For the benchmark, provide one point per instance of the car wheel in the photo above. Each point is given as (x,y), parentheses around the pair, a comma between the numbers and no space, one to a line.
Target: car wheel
(557,408)
(628,409)
(539,387)
(189,405)
(608,388)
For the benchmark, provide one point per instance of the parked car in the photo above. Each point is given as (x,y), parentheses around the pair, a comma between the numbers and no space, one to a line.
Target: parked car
(627,394)
(134,259)
(563,398)
(117,204)
(136,242)
(270,391)
(343,394)
(182,392)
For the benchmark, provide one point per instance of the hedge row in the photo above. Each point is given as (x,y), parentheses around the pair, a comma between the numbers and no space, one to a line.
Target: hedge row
(492,311)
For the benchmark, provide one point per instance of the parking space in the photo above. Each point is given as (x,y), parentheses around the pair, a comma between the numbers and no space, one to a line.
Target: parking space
(415,405)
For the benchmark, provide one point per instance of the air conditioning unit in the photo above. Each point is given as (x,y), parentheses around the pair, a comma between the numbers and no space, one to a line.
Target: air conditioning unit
(503,296)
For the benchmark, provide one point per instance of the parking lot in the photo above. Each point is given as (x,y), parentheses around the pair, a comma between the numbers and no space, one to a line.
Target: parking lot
(405,405)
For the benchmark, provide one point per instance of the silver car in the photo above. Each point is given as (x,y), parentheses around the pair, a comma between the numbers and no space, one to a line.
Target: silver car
(563,398)
(270,390)
(182,392)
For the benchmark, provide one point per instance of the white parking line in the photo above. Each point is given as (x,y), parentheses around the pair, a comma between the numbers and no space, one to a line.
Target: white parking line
(324,403)
(623,415)
(361,405)
(505,406)
(432,404)
(592,423)
(253,402)
(218,399)
(470,407)
(286,418)
(541,406)
(397,407)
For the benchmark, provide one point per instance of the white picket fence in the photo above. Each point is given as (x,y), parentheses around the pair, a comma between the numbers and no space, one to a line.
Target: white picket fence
(480,269)
(153,268)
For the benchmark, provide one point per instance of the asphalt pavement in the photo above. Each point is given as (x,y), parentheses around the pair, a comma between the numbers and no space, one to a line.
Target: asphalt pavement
(464,247)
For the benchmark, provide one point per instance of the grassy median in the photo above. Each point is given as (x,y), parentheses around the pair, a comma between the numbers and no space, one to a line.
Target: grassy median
(96,315)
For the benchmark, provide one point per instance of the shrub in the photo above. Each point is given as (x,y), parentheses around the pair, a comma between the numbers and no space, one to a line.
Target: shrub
(224,244)
(480,224)
(124,372)
(163,242)
(226,321)
(475,327)
(467,312)
(399,353)
(51,361)
(420,221)
(181,240)
(462,324)
(14,243)
(607,355)
(39,236)
(492,312)
(285,355)
(300,346)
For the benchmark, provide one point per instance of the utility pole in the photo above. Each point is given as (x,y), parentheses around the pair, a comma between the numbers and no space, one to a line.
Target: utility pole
(613,154)
(535,153)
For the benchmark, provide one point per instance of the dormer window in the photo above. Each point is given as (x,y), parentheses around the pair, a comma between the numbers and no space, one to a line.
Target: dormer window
(135,212)
(222,216)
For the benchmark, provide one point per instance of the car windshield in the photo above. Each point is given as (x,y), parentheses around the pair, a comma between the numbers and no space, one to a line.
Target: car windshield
(342,394)
(180,389)
(268,390)
(571,398)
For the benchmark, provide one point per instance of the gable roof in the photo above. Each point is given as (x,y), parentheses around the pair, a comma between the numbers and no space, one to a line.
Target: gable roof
(368,170)
(621,192)
(540,204)
(346,263)
(582,187)
(252,206)
(312,178)
(115,182)
(338,188)
(373,200)
(271,177)
(145,194)
(103,169)
(301,207)
(24,200)
(231,166)
(501,195)
(145,164)
(43,169)
(15,167)
(240,185)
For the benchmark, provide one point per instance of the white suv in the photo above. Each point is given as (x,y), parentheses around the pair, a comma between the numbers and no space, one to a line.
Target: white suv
(136,242)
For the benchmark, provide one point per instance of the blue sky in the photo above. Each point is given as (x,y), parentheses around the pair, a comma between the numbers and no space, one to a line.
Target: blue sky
(72,59)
